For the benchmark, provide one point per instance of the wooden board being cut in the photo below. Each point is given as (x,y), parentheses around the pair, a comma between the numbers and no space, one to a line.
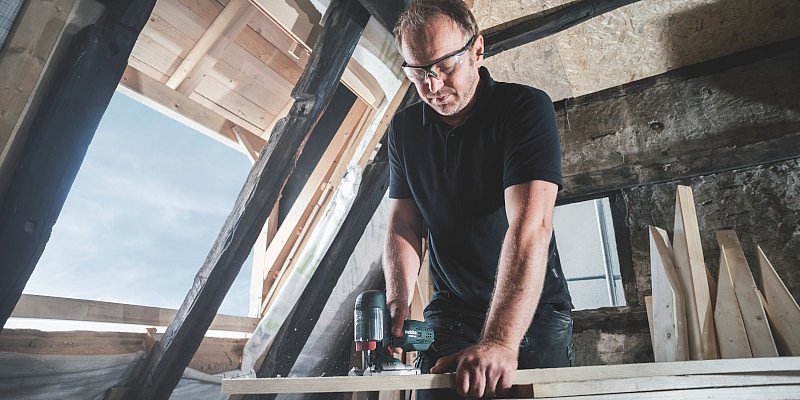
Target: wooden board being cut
(731,334)
(782,309)
(748,369)
(755,318)
(689,261)
(669,334)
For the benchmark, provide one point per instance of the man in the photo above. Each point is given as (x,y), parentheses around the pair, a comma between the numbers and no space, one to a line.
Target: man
(477,163)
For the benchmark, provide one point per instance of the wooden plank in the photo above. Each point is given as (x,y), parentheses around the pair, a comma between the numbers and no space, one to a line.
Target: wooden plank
(678,383)
(689,261)
(264,92)
(670,341)
(779,392)
(755,318)
(156,55)
(49,307)
(266,26)
(782,309)
(219,35)
(756,366)
(155,95)
(158,377)
(190,19)
(237,104)
(731,334)
(264,50)
(229,114)
(57,142)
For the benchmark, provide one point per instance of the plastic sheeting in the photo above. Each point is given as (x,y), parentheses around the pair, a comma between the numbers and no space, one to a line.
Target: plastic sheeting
(306,265)
(58,377)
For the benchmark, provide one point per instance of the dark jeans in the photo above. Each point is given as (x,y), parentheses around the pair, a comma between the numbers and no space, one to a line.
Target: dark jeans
(547,344)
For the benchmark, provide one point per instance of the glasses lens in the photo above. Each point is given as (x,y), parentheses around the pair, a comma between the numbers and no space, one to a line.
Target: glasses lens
(447,65)
(415,74)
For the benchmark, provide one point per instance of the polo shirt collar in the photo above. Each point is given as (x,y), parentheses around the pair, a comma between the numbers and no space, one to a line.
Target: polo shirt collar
(429,115)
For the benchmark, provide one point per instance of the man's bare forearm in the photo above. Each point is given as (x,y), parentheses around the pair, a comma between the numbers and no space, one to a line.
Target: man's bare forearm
(401,260)
(520,278)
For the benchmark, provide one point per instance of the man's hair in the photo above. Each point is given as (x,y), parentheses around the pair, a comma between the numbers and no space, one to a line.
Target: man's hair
(420,12)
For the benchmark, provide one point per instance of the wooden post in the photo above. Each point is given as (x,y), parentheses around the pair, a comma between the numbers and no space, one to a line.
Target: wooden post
(345,23)
(58,140)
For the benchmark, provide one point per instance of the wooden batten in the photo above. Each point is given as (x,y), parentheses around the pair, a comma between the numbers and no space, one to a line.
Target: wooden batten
(689,261)
(668,332)
(731,334)
(781,307)
(61,308)
(753,315)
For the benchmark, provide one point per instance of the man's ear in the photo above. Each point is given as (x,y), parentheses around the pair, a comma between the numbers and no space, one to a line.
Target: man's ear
(479,49)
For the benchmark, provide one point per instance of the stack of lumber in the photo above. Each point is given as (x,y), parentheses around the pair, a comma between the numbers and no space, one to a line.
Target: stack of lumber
(692,318)
(762,378)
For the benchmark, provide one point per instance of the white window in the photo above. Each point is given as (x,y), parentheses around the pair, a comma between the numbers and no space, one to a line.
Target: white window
(588,251)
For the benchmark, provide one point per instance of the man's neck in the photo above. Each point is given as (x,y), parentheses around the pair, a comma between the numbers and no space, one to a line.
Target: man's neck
(461,116)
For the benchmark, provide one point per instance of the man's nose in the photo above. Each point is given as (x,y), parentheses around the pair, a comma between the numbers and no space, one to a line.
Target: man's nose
(434,84)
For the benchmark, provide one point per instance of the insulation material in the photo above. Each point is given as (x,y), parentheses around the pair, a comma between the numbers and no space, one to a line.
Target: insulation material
(638,40)
(307,263)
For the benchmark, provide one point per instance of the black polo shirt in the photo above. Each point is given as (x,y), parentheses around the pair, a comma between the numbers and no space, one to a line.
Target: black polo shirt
(456,177)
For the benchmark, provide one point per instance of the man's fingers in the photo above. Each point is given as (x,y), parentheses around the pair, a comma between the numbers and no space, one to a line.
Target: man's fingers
(492,380)
(445,364)
(504,384)
(477,382)
(397,324)
(462,379)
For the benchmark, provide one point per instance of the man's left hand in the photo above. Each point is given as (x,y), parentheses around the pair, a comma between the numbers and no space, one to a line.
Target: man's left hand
(483,370)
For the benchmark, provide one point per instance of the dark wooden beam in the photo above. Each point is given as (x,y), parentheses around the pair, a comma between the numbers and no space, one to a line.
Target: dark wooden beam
(713,123)
(386,12)
(163,370)
(537,26)
(85,80)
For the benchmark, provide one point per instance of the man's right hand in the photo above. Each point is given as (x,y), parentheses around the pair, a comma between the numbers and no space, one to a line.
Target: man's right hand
(398,311)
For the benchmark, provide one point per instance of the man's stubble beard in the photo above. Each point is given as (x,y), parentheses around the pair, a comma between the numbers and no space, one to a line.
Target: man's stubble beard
(455,108)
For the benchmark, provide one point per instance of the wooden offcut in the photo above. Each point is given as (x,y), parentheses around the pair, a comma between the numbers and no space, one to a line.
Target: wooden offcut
(753,315)
(731,334)
(689,261)
(669,334)
(782,309)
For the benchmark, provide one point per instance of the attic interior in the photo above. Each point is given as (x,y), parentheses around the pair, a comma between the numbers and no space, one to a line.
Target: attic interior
(650,96)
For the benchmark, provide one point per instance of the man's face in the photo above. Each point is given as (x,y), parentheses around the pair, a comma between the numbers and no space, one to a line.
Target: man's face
(449,94)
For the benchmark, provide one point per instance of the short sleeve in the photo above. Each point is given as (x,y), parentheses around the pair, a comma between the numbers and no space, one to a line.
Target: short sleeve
(398,182)
(532,150)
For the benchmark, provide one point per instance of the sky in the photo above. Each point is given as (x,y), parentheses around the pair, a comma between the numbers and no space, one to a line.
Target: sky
(143,213)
